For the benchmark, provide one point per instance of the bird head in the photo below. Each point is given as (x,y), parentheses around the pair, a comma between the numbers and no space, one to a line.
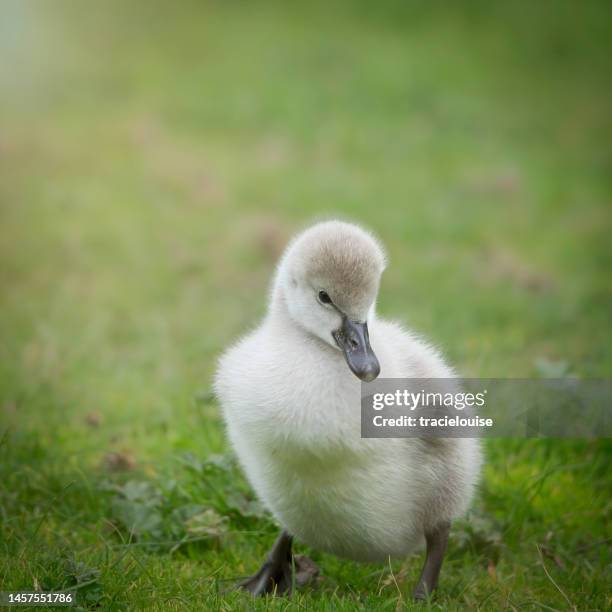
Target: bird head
(328,279)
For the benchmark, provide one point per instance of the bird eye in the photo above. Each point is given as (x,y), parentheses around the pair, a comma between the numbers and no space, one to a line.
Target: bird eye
(324,297)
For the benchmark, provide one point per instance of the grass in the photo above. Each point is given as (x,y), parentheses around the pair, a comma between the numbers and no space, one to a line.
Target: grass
(155,160)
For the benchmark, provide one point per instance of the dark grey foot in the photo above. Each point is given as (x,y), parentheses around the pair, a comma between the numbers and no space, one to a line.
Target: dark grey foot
(436,547)
(275,575)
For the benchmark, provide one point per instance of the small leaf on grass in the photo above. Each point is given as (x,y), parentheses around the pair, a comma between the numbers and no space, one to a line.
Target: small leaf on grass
(248,508)
(212,463)
(479,533)
(77,572)
(207,524)
(135,490)
(138,518)
(223,463)
(85,578)
(182,514)
(552,369)
(137,508)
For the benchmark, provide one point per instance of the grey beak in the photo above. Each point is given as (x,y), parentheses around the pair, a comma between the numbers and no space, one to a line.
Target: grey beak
(354,341)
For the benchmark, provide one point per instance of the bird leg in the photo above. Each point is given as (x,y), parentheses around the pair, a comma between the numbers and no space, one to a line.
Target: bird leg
(275,575)
(436,547)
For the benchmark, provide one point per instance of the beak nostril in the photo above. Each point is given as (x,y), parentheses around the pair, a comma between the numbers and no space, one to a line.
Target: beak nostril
(353,341)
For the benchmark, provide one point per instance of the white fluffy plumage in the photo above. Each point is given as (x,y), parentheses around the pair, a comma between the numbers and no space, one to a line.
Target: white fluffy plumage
(292,410)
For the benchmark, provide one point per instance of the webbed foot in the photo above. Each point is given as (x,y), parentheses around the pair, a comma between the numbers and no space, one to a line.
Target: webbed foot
(275,575)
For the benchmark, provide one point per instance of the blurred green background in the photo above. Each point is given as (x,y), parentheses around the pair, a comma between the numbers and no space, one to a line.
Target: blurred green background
(154,160)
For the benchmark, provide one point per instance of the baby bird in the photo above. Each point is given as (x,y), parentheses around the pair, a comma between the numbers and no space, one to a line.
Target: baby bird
(290,394)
